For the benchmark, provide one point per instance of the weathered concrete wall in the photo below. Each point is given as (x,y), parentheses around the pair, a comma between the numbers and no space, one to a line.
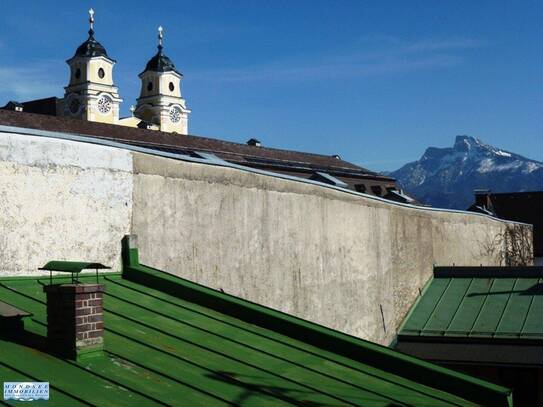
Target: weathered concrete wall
(342,260)
(61,200)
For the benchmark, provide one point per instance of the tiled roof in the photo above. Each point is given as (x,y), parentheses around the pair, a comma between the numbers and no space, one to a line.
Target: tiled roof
(234,152)
(170,342)
(478,303)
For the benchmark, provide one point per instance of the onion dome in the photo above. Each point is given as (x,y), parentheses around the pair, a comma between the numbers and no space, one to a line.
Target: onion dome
(160,62)
(91,47)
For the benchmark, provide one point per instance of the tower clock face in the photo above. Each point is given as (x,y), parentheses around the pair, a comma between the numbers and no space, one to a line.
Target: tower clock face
(104,105)
(175,114)
(74,106)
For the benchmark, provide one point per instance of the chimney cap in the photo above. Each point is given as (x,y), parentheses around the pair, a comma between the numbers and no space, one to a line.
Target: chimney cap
(72,267)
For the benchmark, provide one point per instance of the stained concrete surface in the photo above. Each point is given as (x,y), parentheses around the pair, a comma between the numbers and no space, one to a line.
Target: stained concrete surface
(342,260)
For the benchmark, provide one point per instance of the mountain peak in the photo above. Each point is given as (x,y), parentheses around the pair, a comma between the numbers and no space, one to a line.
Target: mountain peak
(465,143)
(446,177)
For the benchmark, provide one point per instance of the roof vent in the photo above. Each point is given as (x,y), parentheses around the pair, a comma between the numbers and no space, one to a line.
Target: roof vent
(210,157)
(254,142)
(337,156)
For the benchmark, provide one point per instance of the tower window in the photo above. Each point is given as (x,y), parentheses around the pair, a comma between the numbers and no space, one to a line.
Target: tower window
(150,86)
(77,73)
(101,73)
(171,86)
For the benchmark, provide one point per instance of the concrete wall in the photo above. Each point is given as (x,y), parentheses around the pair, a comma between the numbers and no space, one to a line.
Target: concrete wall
(345,261)
(61,200)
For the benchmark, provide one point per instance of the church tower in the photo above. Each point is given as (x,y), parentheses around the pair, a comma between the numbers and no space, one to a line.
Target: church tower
(91,94)
(160,102)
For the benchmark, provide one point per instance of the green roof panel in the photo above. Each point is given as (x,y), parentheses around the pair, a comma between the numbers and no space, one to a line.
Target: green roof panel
(428,303)
(447,306)
(533,325)
(469,307)
(517,309)
(482,303)
(495,301)
(170,342)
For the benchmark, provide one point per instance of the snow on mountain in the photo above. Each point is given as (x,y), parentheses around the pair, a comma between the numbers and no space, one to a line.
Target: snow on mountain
(446,177)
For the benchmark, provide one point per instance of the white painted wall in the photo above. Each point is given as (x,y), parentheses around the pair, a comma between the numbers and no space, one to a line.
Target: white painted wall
(61,200)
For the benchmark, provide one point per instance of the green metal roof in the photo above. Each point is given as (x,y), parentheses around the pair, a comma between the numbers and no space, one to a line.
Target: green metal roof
(171,342)
(480,302)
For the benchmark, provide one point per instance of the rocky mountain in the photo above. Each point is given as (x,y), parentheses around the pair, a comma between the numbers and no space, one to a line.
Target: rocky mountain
(446,177)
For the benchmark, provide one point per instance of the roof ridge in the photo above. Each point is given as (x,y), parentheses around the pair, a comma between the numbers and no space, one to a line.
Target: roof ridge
(171,136)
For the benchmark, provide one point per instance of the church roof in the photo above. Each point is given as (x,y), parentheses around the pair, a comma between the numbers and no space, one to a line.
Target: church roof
(91,48)
(160,63)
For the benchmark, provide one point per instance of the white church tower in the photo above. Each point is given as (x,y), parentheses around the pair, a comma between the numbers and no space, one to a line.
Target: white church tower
(160,103)
(91,94)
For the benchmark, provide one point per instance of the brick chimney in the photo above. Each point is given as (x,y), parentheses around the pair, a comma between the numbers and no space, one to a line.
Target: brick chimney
(75,319)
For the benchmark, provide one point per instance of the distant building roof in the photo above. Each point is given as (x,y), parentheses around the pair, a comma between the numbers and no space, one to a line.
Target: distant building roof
(526,207)
(487,321)
(284,161)
(168,340)
(480,302)
(13,105)
(41,106)
(499,310)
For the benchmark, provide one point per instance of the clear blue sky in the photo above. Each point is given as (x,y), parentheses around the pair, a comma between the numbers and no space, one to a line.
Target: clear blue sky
(374,81)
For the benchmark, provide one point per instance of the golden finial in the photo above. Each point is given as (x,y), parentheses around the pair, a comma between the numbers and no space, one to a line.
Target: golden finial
(91,21)
(160,36)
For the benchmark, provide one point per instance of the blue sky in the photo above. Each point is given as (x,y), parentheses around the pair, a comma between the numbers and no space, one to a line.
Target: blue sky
(374,81)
